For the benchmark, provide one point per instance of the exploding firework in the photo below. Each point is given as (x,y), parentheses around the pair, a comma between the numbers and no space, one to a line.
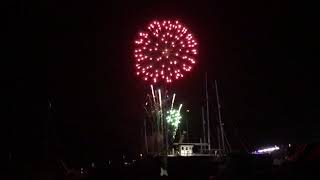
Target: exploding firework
(173,119)
(164,52)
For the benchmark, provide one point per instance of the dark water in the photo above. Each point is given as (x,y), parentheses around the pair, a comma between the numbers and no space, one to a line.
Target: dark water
(234,167)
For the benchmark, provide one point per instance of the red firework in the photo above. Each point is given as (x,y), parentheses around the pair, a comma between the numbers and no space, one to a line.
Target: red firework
(164,52)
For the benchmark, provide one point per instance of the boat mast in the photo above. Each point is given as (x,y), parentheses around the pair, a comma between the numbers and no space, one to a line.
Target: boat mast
(219,117)
(208,120)
(203,125)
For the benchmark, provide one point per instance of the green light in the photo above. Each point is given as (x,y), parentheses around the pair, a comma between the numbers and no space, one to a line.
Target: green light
(173,118)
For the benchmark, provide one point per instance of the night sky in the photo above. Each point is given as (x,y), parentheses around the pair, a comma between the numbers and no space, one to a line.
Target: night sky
(77,55)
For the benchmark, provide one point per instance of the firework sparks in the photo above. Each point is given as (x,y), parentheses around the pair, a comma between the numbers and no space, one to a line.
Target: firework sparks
(164,52)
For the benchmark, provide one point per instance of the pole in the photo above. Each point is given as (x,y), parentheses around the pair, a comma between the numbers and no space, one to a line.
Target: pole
(187,125)
(203,125)
(145,135)
(208,117)
(228,144)
(167,130)
(218,137)
(158,121)
(219,117)
(167,138)
(161,118)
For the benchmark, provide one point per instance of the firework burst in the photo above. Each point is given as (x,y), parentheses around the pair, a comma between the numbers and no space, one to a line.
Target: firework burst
(164,52)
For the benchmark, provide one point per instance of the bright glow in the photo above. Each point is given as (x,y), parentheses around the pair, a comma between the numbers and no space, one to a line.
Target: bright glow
(266,150)
(167,47)
(174,96)
(180,107)
(152,91)
(173,119)
(160,102)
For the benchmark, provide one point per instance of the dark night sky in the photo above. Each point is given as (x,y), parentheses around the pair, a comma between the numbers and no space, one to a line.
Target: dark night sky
(78,55)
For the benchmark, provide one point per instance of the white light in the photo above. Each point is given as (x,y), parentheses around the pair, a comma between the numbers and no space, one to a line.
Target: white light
(266,150)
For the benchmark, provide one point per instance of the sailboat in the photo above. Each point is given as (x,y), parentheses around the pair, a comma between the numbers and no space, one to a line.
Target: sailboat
(205,145)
